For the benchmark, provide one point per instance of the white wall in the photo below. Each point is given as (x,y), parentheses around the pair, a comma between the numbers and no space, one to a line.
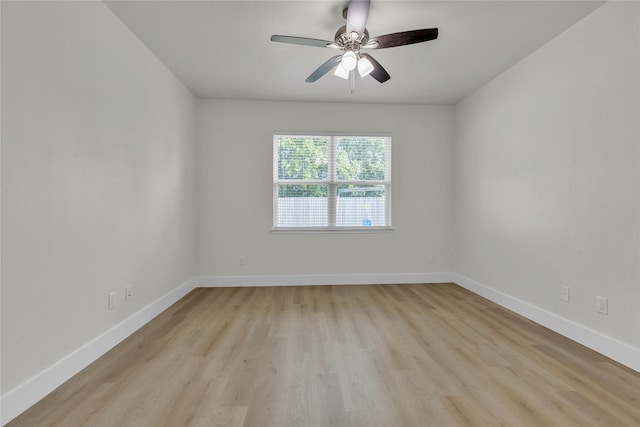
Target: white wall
(235,190)
(98,155)
(546,178)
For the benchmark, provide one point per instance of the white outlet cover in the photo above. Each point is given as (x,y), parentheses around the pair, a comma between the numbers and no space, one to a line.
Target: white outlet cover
(112,300)
(602,305)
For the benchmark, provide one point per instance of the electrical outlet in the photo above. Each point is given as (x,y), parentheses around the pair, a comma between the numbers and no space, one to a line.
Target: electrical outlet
(241,260)
(128,293)
(433,258)
(112,300)
(564,293)
(602,305)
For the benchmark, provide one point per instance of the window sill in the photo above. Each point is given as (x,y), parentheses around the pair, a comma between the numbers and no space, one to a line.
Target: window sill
(313,230)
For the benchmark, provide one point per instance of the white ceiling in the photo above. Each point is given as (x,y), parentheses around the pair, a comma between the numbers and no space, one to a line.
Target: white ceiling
(221,49)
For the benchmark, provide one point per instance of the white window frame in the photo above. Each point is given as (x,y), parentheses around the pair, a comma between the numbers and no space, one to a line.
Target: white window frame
(332,182)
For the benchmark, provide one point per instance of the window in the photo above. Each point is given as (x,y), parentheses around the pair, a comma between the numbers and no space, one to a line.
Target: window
(331,182)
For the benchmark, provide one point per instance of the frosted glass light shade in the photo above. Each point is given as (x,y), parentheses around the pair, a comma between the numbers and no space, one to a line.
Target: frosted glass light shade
(365,67)
(341,72)
(349,60)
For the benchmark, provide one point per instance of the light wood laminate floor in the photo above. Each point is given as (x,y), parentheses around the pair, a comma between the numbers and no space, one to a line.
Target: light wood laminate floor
(378,355)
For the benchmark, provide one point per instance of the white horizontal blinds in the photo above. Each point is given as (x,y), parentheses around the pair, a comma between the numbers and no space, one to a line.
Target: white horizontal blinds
(301,182)
(363,181)
(302,206)
(331,181)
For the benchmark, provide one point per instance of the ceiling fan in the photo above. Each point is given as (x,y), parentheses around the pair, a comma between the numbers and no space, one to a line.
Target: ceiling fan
(354,37)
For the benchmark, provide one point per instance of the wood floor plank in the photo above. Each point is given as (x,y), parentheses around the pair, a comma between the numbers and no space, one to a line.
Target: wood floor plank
(375,355)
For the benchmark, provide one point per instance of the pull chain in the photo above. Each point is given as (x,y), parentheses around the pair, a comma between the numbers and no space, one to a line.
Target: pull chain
(352,77)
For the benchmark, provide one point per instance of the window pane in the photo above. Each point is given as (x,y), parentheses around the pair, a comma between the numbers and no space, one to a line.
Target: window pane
(302,206)
(303,157)
(360,206)
(360,158)
(332,181)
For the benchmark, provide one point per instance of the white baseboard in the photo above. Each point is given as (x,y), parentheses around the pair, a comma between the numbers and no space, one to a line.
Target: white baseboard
(610,347)
(16,401)
(321,279)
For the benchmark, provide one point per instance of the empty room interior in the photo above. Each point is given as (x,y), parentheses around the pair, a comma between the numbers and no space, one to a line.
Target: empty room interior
(320,213)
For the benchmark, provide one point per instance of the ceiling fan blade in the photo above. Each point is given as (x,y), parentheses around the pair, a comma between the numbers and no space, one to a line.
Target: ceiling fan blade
(378,73)
(402,38)
(324,69)
(357,14)
(300,40)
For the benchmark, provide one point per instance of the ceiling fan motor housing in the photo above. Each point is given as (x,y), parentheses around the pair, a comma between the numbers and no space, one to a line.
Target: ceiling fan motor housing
(351,41)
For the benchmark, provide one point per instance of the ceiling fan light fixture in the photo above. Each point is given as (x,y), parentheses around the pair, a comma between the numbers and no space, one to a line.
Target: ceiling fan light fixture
(341,72)
(365,67)
(349,60)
